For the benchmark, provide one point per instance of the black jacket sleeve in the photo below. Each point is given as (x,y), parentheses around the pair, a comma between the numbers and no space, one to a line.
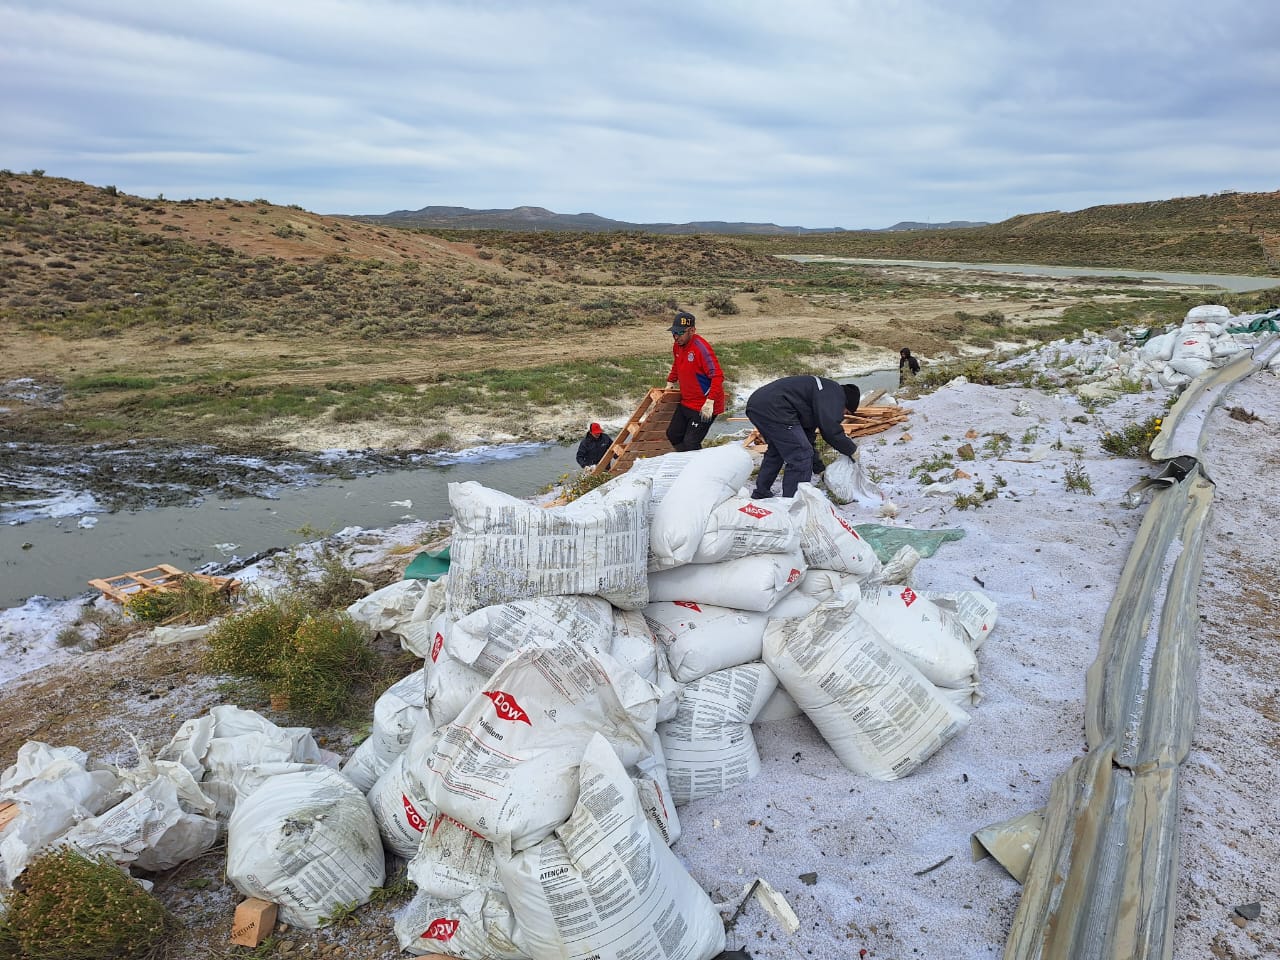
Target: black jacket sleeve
(829,410)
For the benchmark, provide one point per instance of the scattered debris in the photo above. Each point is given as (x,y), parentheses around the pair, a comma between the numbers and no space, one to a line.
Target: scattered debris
(809,879)
(921,873)
(162,577)
(1250,911)
(1243,415)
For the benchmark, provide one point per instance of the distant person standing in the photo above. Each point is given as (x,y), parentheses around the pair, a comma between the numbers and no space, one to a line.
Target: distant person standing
(788,413)
(696,373)
(593,446)
(908,366)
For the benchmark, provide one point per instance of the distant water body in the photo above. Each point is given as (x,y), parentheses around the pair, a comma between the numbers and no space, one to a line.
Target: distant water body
(1229,282)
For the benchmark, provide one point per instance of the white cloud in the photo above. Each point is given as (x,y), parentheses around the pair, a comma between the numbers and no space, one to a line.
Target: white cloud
(819,112)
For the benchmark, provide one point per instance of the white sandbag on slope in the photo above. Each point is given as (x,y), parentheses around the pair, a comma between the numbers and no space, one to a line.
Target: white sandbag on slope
(708,745)
(148,829)
(740,527)
(780,706)
(215,746)
(828,541)
(485,638)
(506,767)
(308,842)
(748,583)
(709,479)
(879,714)
(1159,349)
(477,924)
(605,885)
(1192,351)
(506,549)
(701,638)
(389,607)
(54,789)
(395,717)
(635,647)
(931,637)
(399,800)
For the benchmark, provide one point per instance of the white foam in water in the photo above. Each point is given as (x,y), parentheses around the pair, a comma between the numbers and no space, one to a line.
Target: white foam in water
(69,503)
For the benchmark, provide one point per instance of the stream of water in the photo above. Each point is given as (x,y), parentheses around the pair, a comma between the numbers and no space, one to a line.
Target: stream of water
(56,556)
(1236,284)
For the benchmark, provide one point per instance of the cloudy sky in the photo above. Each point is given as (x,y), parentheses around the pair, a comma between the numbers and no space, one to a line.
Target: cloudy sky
(851,113)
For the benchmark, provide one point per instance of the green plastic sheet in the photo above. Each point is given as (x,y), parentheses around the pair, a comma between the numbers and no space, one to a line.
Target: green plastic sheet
(886,541)
(428,565)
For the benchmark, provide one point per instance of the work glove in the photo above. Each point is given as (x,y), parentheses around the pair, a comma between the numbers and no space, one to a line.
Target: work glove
(672,384)
(707,409)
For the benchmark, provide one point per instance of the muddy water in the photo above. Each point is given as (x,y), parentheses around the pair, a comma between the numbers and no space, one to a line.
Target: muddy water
(288,504)
(63,555)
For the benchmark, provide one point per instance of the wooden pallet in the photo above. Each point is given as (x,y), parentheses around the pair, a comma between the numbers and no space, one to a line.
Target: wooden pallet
(865,422)
(645,434)
(160,577)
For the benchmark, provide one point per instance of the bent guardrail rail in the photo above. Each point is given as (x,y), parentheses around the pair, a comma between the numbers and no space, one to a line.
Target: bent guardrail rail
(1102,878)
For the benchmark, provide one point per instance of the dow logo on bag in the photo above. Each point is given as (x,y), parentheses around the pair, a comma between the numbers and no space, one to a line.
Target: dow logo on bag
(412,815)
(751,510)
(507,707)
(687,604)
(908,596)
(436,645)
(441,929)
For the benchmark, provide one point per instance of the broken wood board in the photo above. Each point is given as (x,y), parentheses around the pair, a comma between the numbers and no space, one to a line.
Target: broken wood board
(866,422)
(160,577)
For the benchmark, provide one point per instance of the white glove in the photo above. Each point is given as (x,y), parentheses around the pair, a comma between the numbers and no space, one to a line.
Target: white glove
(707,408)
(672,384)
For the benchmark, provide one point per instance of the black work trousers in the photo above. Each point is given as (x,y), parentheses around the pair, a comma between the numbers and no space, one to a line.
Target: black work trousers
(687,429)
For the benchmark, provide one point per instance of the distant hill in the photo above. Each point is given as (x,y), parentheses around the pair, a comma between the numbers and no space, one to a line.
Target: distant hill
(540,218)
(1227,232)
(949,225)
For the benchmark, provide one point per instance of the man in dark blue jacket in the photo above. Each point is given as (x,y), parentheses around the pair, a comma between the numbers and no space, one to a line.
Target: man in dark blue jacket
(593,446)
(787,413)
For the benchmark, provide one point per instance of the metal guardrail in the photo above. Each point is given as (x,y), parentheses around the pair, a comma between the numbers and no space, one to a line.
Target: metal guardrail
(1103,876)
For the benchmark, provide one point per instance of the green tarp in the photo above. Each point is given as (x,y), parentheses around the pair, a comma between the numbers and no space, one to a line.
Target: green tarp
(886,541)
(428,565)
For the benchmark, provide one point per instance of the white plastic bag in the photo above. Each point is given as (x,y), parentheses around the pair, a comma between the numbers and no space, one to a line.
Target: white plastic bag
(701,638)
(507,766)
(215,746)
(708,745)
(748,583)
(148,829)
(709,479)
(507,549)
(54,790)
(605,885)
(879,714)
(308,842)
(395,716)
(928,637)
(828,540)
(740,527)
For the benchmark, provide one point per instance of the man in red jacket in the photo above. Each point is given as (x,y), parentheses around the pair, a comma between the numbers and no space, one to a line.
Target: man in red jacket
(696,373)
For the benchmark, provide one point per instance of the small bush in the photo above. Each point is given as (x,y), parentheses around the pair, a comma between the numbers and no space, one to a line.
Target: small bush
(721,303)
(192,600)
(317,659)
(67,907)
(1077,480)
(1132,440)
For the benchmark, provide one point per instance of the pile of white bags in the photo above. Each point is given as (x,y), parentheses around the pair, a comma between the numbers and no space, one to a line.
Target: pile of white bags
(1101,367)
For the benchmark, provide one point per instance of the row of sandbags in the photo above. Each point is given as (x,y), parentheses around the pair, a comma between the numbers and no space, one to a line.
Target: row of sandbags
(1165,360)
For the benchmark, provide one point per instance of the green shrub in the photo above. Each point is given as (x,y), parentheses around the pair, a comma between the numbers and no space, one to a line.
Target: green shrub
(191,600)
(1076,479)
(317,659)
(67,907)
(1132,440)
